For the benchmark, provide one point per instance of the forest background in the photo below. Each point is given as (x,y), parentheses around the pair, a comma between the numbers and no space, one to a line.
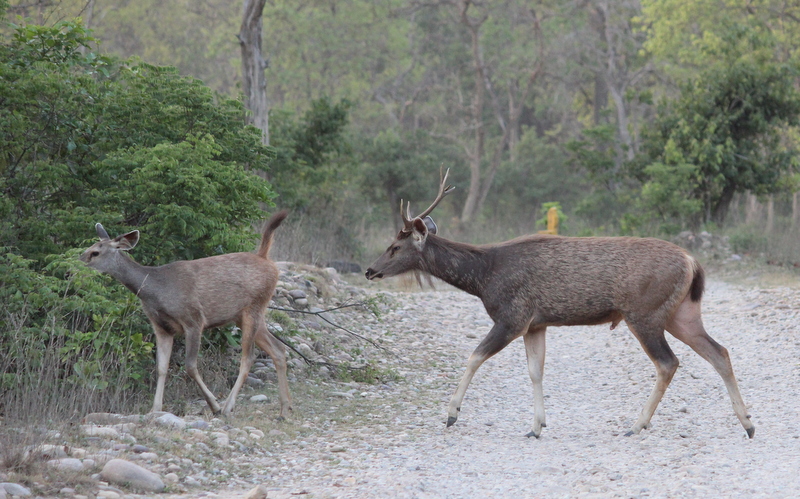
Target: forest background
(633,118)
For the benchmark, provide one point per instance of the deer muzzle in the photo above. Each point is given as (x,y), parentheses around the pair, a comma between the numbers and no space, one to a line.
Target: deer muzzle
(371,275)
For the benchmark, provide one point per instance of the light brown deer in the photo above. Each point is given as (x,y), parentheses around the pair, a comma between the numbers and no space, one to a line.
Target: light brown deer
(190,296)
(533,282)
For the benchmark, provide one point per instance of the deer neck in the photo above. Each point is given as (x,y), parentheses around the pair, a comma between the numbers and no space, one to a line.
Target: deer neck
(461,265)
(131,274)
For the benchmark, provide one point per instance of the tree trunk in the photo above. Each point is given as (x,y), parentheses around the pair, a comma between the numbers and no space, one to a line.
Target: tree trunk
(471,205)
(795,211)
(254,81)
(600,99)
(720,211)
(770,214)
(753,211)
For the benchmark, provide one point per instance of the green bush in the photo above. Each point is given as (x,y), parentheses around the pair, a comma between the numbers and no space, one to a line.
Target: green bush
(747,239)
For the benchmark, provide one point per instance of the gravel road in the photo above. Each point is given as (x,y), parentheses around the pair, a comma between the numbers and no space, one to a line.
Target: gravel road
(596,382)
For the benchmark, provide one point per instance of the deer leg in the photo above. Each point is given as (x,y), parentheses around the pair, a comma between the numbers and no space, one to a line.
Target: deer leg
(497,339)
(247,326)
(277,351)
(656,347)
(534,351)
(163,353)
(193,333)
(687,326)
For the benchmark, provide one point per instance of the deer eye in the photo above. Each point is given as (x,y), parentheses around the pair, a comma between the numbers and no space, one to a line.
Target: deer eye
(95,253)
(393,250)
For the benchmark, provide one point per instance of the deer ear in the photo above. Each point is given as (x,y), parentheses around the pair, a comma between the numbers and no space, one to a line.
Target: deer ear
(430,224)
(127,241)
(419,232)
(101,232)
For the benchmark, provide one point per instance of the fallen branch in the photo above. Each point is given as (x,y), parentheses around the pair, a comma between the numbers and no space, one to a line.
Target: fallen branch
(319,314)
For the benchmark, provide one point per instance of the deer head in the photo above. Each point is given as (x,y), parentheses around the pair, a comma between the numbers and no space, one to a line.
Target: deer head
(405,252)
(103,254)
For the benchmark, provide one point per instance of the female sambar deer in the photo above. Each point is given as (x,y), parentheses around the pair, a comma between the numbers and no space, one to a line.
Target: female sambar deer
(533,282)
(190,296)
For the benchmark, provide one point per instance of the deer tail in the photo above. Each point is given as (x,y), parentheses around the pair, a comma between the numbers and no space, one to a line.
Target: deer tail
(269,228)
(698,282)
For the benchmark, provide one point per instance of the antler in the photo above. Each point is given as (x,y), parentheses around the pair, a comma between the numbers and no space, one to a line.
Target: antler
(443,191)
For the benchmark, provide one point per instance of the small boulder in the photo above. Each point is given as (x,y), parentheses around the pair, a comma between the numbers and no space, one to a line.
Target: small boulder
(125,473)
(259,492)
(14,489)
(171,420)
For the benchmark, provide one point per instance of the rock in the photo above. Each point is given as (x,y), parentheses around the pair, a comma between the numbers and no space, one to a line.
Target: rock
(199,424)
(259,398)
(99,431)
(171,478)
(14,489)
(48,452)
(297,294)
(66,464)
(305,350)
(198,435)
(170,420)
(301,303)
(191,482)
(259,492)
(128,474)
(253,382)
(107,419)
(344,267)
(220,439)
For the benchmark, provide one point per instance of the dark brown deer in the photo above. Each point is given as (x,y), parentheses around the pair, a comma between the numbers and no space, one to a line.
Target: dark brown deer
(190,296)
(533,282)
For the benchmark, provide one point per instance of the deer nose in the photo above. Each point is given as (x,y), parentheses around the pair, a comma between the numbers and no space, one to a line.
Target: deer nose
(370,274)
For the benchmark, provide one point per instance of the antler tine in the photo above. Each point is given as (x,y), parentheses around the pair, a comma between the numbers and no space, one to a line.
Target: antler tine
(443,191)
(405,215)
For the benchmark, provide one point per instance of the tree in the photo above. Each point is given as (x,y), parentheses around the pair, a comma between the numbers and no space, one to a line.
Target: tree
(254,81)
(401,166)
(723,135)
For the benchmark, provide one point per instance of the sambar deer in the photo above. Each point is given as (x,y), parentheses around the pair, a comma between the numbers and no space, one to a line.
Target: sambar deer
(536,281)
(193,295)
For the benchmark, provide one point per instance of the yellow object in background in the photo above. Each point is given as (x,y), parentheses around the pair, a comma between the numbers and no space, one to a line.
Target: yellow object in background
(552,221)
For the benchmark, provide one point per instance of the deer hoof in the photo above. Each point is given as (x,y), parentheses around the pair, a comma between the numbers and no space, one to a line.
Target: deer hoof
(750,431)
(531,434)
(630,433)
(451,421)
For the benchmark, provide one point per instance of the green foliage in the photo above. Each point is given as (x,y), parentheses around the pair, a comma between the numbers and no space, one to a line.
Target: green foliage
(312,153)
(724,134)
(67,305)
(183,199)
(404,166)
(748,240)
